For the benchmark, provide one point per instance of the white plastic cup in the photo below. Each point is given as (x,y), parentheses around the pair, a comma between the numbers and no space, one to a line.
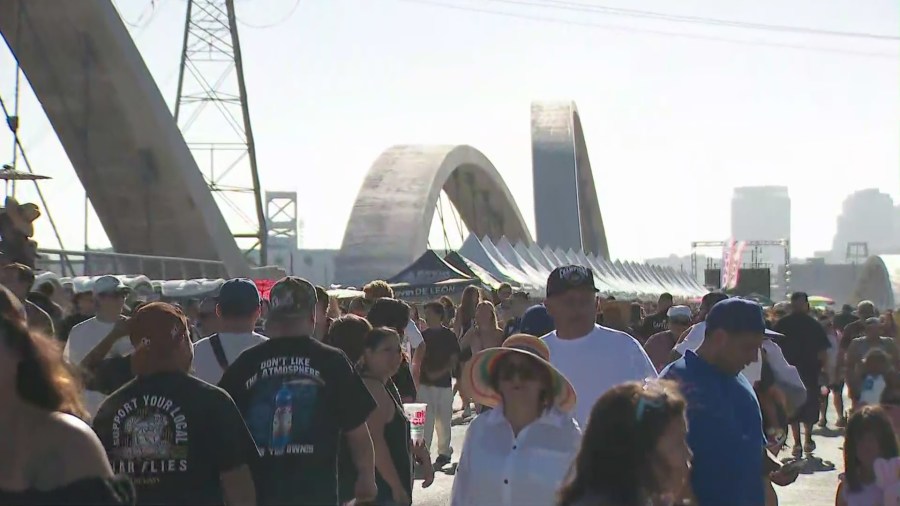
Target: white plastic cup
(415,413)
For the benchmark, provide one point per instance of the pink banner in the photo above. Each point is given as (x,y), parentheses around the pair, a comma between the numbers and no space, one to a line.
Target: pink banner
(734,270)
(264,286)
(725,271)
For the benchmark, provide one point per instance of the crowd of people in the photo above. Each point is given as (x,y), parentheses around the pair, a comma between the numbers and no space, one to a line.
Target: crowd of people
(577,399)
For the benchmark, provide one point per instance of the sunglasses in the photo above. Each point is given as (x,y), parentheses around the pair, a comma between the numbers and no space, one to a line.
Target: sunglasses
(524,371)
(646,403)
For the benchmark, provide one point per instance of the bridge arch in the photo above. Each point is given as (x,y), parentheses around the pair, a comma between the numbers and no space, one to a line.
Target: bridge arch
(393,212)
(118,132)
(566,209)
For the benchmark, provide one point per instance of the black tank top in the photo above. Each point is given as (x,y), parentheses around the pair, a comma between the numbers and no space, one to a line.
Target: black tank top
(396,435)
(403,381)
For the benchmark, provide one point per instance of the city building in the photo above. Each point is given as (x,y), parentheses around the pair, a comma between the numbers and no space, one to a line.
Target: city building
(867,217)
(761,213)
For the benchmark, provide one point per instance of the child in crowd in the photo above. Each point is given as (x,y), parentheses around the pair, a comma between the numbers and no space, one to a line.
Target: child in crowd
(869,438)
(876,372)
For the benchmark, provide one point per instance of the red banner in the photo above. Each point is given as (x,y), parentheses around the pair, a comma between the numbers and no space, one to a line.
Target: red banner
(264,286)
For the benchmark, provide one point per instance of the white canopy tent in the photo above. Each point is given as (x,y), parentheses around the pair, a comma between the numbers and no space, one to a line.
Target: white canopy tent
(528,266)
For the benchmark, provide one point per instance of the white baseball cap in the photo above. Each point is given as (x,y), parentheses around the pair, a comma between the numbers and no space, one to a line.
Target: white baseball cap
(679,311)
(109,284)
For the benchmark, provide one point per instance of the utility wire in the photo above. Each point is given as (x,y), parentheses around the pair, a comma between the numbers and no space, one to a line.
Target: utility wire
(615,11)
(628,29)
(151,8)
(283,19)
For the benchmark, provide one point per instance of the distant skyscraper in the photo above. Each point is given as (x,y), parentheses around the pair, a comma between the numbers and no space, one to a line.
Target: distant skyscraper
(761,213)
(867,216)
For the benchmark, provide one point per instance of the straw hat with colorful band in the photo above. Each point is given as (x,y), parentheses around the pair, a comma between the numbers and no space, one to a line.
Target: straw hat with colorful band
(478,371)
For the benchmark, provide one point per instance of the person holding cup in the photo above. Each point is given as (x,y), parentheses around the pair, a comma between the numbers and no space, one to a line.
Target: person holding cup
(519,452)
(388,424)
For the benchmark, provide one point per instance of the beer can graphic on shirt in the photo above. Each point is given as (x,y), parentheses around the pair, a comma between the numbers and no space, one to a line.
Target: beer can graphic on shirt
(282,420)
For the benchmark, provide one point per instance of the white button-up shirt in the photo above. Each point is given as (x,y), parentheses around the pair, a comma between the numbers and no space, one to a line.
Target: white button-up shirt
(499,468)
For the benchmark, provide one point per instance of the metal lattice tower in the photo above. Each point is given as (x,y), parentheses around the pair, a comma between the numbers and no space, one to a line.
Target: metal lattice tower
(213,115)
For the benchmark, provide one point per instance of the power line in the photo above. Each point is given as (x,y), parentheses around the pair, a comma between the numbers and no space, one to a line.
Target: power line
(284,19)
(615,11)
(628,29)
(150,9)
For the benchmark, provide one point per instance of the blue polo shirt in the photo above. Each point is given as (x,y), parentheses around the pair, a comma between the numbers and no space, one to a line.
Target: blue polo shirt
(724,432)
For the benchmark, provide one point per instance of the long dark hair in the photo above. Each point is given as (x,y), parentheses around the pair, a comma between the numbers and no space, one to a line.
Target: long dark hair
(868,419)
(42,378)
(617,451)
(470,298)
(373,340)
(449,310)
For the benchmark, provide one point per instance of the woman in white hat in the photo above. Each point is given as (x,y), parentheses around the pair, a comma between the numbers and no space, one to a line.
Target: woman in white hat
(518,453)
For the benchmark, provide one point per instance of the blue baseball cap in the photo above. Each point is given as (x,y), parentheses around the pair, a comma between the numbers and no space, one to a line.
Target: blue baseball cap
(239,297)
(537,321)
(737,315)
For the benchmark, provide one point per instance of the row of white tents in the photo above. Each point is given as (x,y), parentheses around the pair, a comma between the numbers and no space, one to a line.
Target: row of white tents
(528,266)
(478,261)
(143,286)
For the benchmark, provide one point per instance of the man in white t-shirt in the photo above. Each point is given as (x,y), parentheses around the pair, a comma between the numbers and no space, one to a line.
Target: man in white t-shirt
(238,310)
(592,357)
(109,300)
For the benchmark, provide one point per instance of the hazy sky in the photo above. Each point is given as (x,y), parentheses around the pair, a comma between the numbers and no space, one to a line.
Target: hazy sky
(672,123)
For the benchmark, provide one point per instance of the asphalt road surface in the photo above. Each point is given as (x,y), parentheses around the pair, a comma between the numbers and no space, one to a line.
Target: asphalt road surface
(815,486)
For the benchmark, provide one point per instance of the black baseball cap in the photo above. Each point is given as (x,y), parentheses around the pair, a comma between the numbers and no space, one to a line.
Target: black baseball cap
(735,316)
(238,296)
(570,277)
(290,297)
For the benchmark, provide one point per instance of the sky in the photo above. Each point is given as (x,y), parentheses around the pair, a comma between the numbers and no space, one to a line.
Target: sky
(674,116)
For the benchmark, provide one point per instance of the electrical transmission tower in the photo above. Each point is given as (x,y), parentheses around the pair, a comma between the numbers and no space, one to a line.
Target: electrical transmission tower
(212,113)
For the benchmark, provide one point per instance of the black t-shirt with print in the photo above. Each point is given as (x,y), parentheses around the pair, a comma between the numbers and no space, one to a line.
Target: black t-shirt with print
(173,434)
(297,396)
(653,324)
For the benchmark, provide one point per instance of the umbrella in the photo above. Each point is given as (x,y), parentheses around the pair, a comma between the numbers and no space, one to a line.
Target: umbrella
(345,293)
(10,174)
(819,300)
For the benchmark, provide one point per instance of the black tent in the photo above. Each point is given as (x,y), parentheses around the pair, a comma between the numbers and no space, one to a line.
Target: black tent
(430,277)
